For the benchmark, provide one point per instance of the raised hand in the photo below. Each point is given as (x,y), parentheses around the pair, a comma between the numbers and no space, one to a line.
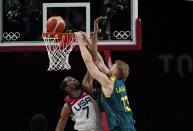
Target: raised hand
(96,28)
(78,36)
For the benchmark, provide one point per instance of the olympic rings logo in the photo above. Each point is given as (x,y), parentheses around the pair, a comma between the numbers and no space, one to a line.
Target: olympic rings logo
(122,34)
(11,36)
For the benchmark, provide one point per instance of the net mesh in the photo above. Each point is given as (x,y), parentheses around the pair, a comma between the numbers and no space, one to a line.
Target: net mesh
(59,46)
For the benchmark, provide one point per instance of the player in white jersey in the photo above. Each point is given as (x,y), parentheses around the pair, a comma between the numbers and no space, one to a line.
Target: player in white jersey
(80,106)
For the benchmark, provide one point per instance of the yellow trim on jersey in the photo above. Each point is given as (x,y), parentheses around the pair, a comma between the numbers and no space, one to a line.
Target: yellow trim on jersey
(104,94)
(113,79)
(128,108)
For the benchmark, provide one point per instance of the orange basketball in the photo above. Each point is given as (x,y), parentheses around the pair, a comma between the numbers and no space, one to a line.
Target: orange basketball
(55,24)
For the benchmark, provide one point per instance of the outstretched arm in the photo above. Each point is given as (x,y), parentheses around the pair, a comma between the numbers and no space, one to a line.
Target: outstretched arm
(88,80)
(91,67)
(87,84)
(65,113)
(98,60)
(101,65)
(94,47)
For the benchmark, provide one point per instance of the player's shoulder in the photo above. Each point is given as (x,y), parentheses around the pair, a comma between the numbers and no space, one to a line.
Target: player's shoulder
(72,100)
(84,92)
(120,81)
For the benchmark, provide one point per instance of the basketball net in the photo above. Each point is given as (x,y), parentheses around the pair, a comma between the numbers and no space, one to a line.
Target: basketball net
(59,46)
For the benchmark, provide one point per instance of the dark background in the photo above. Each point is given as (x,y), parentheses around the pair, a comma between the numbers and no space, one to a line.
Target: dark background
(26,17)
(159,87)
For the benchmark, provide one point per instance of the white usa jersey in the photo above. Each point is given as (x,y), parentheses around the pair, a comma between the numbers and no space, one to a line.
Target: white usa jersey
(85,112)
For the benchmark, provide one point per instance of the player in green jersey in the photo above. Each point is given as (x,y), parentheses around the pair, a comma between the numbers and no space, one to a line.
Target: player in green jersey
(113,95)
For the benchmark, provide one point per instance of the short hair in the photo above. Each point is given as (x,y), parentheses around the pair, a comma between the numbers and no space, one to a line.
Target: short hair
(122,69)
(63,85)
(39,123)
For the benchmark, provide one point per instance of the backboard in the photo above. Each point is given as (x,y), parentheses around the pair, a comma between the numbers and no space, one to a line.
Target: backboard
(22,23)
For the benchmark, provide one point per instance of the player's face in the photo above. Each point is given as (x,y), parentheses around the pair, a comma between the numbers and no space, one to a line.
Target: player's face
(73,83)
(113,70)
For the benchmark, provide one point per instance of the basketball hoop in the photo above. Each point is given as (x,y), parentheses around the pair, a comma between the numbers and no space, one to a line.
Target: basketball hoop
(59,46)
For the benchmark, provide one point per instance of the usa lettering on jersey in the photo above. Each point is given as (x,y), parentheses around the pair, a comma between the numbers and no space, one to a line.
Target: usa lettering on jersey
(85,112)
(82,104)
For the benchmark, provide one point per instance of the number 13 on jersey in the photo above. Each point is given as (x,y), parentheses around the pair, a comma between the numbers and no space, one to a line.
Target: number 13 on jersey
(125,101)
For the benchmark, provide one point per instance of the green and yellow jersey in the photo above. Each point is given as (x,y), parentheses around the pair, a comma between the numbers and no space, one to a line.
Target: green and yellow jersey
(117,108)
